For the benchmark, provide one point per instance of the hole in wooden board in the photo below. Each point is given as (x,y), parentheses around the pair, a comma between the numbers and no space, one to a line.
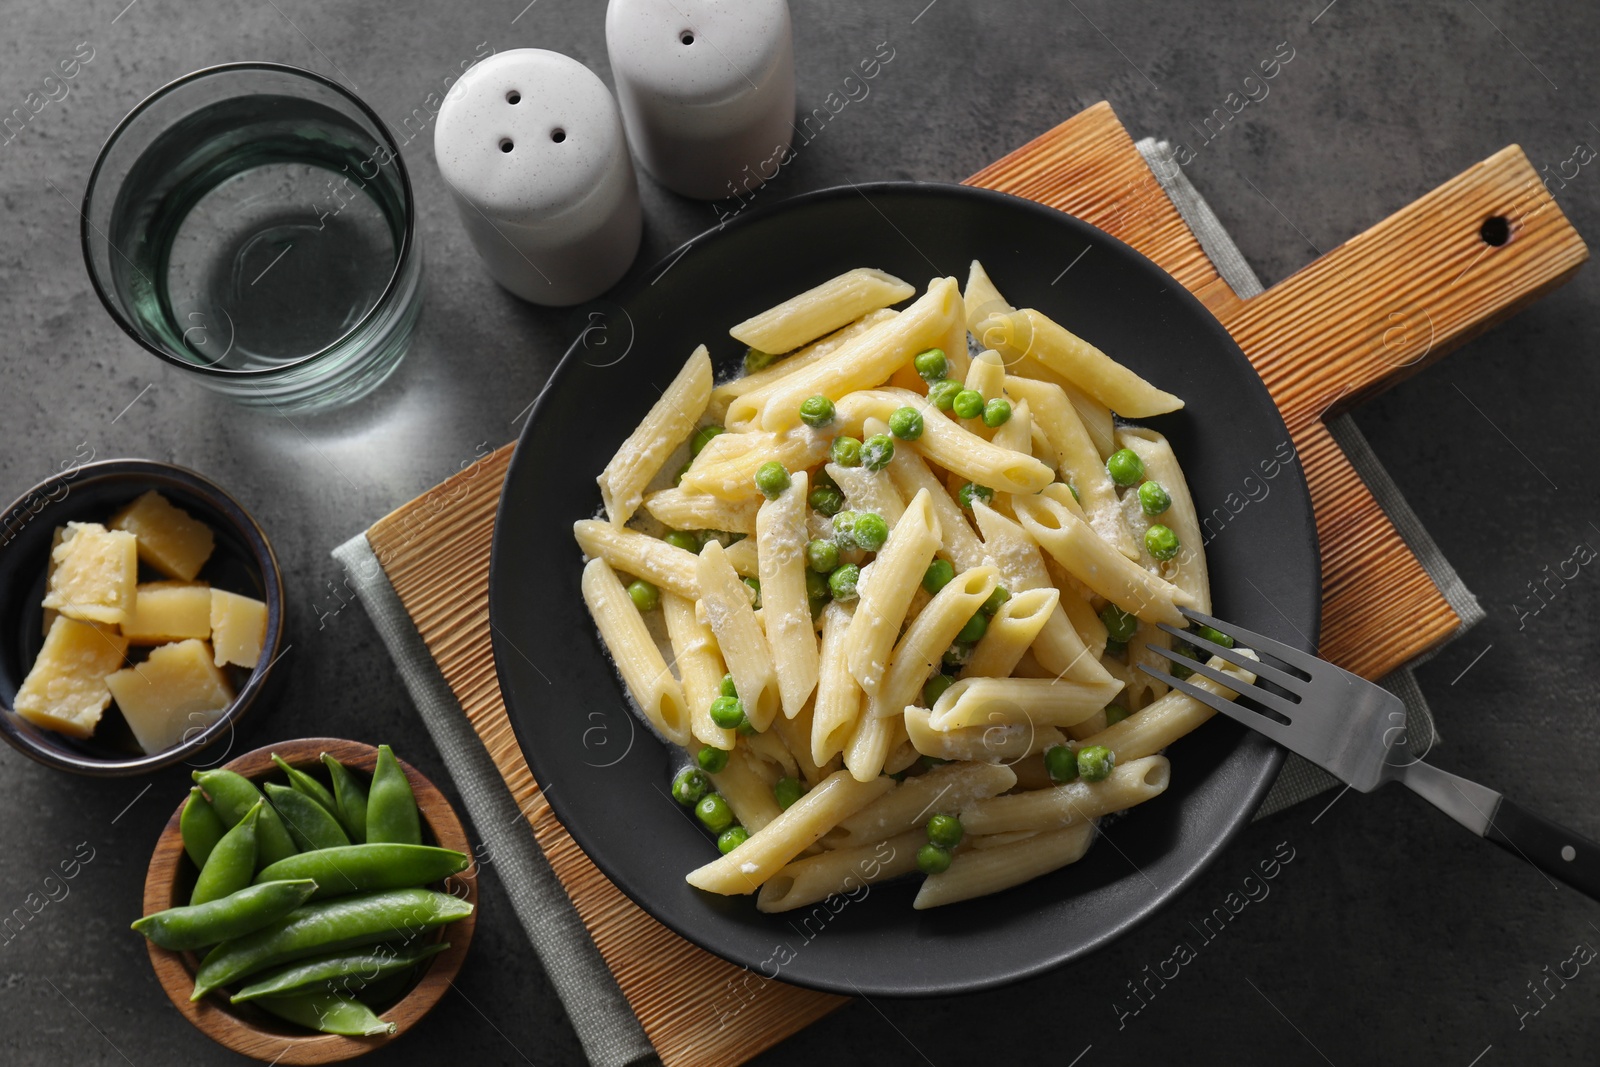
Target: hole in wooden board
(558,135)
(686,37)
(506,145)
(513,97)
(1495,231)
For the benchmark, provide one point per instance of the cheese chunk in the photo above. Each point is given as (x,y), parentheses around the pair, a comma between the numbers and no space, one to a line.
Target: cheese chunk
(238,628)
(96,573)
(50,570)
(177,692)
(170,539)
(169,611)
(66,689)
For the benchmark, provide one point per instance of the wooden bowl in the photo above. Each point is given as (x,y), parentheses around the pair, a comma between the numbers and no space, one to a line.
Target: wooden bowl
(249,1030)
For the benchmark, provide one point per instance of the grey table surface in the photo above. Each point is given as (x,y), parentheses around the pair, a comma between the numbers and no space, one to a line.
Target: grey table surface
(1391,936)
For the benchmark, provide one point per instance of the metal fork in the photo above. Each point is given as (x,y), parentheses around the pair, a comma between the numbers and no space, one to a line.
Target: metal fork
(1352,728)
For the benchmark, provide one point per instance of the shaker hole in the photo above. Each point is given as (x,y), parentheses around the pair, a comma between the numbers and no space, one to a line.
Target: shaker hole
(558,135)
(686,37)
(1495,231)
(513,97)
(506,145)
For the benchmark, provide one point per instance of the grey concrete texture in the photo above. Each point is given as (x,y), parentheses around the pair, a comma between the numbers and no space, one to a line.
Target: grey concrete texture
(1390,937)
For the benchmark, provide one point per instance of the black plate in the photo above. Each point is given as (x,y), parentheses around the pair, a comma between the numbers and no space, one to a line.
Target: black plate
(606,777)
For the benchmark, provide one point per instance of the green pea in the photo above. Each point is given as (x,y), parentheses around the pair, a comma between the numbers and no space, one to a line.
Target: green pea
(726,687)
(747,728)
(232,864)
(937,576)
(822,556)
(906,423)
(826,500)
(996,600)
(942,394)
(817,587)
(682,539)
(714,813)
(702,437)
(870,531)
(842,582)
(727,712)
(844,525)
(933,859)
(822,477)
(346,869)
(931,365)
(236,915)
(391,806)
(1154,498)
(754,585)
(816,411)
(200,826)
(955,657)
(1180,672)
(1116,648)
(690,786)
(233,795)
(1095,763)
(309,823)
(1216,637)
(711,759)
(349,799)
(945,830)
(732,838)
(934,688)
(996,412)
(1115,713)
(1161,542)
(772,479)
(786,791)
(677,479)
(645,596)
(973,491)
(846,451)
(968,404)
(755,359)
(1072,487)
(877,451)
(1061,763)
(1125,467)
(974,630)
(1120,626)
(343,972)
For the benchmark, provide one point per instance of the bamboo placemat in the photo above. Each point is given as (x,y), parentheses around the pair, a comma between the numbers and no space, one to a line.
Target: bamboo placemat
(1360,318)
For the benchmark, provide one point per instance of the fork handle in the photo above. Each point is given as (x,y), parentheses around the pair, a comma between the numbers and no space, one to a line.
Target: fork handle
(1553,849)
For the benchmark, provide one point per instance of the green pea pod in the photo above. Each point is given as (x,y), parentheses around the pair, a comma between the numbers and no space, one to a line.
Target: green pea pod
(391,806)
(232,862)
(349,799)
(305,784)
(369,867)
(233,795)
(348,974)
(200,826)
(238,915)
(309,822)
(388,989)
(327,926)
(330,1014)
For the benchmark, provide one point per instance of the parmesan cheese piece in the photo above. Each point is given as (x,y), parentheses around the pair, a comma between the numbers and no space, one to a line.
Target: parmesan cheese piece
(238,628)
(177,692)
(169,611)
(96,573)
(66,689)
(170,539)
(50,570)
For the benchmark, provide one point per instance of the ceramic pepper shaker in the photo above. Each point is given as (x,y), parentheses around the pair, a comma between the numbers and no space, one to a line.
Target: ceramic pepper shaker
(706,88)
(532,147)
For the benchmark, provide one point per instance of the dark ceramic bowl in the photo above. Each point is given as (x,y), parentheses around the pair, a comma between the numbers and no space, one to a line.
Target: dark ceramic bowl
(243,562)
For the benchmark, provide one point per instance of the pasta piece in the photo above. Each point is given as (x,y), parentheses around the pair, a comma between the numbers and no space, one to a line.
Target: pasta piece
(987,375)
(729,391)
(985,841)
(979,872)
(949,789)
(1085,620)
(700,668)
(744,648)
(1081,363)
(769,746)
(886,589)
(904,755)
(795,734)
(868,490)
(1040,701)
(669,422)
(781,545)
(820,310)
(996,742)
(785,837)
(951,445)
(844,872)
(744,558)
(1016,433)
(733,477)
(869,746)
(925,641)
(665,566)
(1188,569)
(1095,416)
(1142,688)
(638,660)
(838,703)
(682,509)
(1130,783)
(747,791)
(911,475)
(1147,732)
(1014,627)
(981,299)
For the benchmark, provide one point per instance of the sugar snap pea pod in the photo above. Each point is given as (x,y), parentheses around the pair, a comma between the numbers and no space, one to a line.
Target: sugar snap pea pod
(388,989)
(232,863)
(234,916)
(349,799)
(369,867)
(303,783)
(348,973)
(391,806)
(233,795)
(327,926)
(309,822)
(330,1014)
(200,826)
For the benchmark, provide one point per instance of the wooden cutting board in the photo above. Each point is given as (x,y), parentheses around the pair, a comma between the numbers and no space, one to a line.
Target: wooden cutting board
(1374,310)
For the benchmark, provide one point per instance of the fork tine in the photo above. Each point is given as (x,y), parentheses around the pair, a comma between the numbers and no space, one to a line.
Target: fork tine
(1235,656)
(1283,735)
(1286,708)
(1304,661)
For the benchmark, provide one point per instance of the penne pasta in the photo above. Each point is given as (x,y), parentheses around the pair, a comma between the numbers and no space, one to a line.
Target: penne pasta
(744,647)
(995,742)
(728,391)
(843,872)
(1016,433)
(668,423)
(781,548)
(950,789)
(1130,783)
(1081,363)
(918,653)
(1036,701)
(1014,628)
(652,686)
(700,668)
(821,310)
(1151,730)
(838,703)
(867,751)
(733,476)
(747,791)
(1187,570)
(868,490)
(660,564)
(986,375)
(886,590)
(684,509)
(911,475)
(979,872)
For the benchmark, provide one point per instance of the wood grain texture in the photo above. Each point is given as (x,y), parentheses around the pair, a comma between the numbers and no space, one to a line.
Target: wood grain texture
(250,1031)
(1379,606)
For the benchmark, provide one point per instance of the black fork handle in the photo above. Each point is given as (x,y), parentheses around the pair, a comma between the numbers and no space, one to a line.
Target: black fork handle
(1553,849)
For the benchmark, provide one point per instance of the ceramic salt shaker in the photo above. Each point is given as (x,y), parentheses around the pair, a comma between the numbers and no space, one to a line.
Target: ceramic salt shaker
(706,88)
(532,147)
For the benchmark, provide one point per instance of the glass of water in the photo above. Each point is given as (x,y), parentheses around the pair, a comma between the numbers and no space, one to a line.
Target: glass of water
(253,225)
